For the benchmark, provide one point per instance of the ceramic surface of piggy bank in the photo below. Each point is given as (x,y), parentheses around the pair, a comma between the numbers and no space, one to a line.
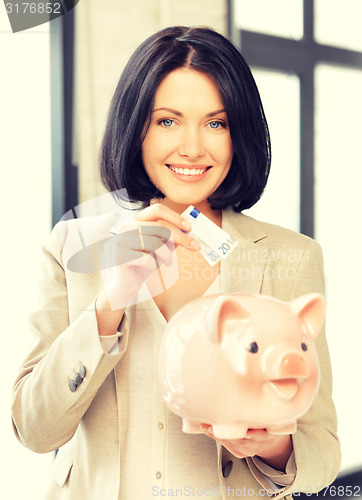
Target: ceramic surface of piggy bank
(240,361)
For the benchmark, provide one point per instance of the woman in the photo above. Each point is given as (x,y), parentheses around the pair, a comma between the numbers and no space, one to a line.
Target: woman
(186,127)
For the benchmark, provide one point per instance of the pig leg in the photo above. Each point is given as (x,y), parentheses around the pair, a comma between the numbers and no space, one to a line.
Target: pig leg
(190,427)
(230,431)
(283,429)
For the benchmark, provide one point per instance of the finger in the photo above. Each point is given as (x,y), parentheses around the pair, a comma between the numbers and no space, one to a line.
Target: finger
(169,234)
(139,239)
(182,238)
(164,217)
(237,453)
(158,211)
(150,243)
(133,248)
(121,249)
(158,244)
(234,447)
(207,429)
(257,434)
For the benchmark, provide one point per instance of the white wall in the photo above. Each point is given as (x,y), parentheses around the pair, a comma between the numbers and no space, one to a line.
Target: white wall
(338,181)
(25,204)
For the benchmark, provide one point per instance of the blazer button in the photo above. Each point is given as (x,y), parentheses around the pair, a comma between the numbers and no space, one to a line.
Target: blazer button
(82,371)
(72,385)
(227,468)
(78,379)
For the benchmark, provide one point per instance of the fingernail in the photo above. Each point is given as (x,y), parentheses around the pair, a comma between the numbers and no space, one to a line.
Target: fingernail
(187,225)
(195,244)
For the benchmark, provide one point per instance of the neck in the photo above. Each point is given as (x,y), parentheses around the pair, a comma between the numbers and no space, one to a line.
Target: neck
(203,207)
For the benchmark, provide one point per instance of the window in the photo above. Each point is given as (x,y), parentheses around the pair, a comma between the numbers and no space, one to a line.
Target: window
(338,23)
(325,64)
(280,93)
(287,17)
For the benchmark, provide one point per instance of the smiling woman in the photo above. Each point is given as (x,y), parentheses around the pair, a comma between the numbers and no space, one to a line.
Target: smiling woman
(186,127)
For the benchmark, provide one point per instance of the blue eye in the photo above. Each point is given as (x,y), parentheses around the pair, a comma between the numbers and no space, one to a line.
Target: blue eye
(167,122)
(215,124)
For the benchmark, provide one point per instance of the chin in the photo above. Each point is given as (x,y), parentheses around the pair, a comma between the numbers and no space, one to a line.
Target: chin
(187,200)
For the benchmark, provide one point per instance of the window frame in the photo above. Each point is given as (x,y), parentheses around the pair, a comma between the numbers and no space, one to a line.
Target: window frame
(64,163)
(299,57)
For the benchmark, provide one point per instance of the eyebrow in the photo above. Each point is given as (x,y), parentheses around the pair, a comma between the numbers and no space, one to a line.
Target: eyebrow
(178,113)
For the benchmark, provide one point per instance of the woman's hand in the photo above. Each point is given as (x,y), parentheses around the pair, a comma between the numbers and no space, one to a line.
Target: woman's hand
(272,449)
(134,254)
(160,215)
(138,250)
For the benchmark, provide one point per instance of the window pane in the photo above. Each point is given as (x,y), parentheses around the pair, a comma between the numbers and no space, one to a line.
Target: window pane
(280,201)
(338,181)
(338,23)
(279,17)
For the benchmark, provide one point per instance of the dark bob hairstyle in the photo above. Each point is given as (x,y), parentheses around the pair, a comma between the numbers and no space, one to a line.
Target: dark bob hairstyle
(204,50)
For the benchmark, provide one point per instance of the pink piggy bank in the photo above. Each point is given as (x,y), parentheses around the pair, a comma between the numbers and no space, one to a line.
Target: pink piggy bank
(241,361)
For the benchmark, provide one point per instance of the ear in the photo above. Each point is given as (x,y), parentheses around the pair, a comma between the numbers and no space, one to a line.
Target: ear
(311,309)
(224,309)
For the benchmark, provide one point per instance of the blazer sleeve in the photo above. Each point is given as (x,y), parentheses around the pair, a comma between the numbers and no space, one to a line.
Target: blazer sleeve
(316,445)
(47,406)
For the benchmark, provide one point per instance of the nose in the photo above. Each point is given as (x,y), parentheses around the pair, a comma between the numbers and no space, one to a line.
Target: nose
(191,144)
(293,365)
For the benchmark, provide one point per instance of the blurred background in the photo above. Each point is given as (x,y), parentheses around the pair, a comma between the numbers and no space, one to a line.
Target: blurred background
(56,83)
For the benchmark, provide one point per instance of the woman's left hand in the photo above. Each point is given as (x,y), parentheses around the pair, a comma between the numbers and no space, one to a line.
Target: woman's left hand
(272,449)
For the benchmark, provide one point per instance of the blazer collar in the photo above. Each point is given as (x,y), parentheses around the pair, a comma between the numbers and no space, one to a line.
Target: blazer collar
(243,270)
(242,226)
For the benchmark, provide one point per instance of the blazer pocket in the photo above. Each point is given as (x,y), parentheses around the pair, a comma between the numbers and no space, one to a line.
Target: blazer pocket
(61,467)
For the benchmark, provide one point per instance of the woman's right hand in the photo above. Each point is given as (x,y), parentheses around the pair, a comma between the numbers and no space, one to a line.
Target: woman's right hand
(134,254)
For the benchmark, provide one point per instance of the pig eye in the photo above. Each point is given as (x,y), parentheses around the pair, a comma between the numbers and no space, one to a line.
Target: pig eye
(250,344)
(252,347)
(304,343)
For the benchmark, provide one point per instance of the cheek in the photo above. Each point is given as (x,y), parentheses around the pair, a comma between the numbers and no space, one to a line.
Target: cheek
(222,150)
(148,161)
(155,148)
(147,150)
(229,150)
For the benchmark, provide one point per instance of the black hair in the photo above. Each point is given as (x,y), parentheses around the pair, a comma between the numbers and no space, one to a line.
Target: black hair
(205,50)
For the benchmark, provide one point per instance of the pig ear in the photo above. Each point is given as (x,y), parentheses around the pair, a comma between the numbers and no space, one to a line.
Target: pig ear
(311,309)
(223,310)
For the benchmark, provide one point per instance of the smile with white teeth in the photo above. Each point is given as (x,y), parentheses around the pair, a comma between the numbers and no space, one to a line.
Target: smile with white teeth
(187,171)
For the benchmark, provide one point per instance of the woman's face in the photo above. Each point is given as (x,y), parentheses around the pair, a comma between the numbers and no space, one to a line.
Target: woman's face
(187,151)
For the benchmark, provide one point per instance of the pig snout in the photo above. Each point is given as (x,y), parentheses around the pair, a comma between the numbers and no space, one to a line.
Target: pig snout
(293,365)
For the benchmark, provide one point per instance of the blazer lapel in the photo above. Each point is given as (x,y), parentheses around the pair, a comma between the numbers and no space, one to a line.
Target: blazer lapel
(244,269)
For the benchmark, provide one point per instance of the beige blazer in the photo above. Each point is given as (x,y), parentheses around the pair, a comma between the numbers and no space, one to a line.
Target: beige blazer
(48,415)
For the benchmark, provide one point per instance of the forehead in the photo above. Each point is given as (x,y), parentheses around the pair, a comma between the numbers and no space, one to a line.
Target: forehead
(188,87)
